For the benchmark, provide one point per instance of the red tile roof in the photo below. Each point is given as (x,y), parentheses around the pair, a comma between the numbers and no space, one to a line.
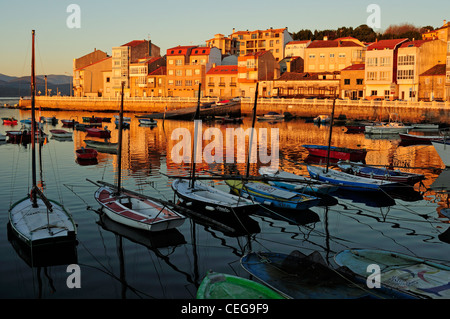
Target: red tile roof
(415,43)
(201,51)
(159,71)
(332,44)
(298,42)
(438,69)
(386,44)
(355,67)
(179,50)
(224,69)
(133,43)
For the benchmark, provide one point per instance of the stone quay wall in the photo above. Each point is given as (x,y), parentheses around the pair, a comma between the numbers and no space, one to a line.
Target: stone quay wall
(414,112)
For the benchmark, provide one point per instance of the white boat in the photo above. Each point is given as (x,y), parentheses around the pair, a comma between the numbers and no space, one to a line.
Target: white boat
(425,126)
(387,128)
(133,209)
(298,183)
(61,134)
(125,118)
(211,198)
(2,137)
(36,220)
(443,149)
(52,120)
(394,126)
(348,181)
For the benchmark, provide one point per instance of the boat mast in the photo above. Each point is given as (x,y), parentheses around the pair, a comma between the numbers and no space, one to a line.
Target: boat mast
(194,143)
(251,134)
(331,131)
(119,152)
(33,124)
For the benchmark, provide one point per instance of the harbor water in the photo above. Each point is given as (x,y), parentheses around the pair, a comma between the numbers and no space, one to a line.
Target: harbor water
(118,263)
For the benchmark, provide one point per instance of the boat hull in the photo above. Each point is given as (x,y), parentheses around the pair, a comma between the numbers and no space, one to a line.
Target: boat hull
(443,149)
(105,147)
(404,275)
(137,212)
(298,277)
(30,223)
(348,181)
(341,153)
(211,199)
(224,286)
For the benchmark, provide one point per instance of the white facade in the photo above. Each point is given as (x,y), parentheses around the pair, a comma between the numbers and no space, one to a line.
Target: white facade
(296,48)
(379,74)
(120,62)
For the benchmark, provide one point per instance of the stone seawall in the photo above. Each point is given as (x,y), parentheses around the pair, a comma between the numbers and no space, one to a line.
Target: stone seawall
(432,112)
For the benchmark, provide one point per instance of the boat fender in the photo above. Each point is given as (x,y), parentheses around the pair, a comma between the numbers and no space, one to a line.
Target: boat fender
(189,204)
(209,208)
(267,203)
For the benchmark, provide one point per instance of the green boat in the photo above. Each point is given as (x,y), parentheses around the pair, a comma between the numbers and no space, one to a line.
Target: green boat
(223,286)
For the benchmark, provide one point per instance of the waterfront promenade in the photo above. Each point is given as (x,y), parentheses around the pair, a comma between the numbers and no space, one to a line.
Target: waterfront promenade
(433,112)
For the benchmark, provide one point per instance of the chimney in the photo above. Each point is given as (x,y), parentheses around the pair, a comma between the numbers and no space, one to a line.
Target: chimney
(445,22)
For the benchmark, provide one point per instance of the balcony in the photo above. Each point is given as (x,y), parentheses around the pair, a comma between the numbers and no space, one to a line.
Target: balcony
(222,84)
(211,84)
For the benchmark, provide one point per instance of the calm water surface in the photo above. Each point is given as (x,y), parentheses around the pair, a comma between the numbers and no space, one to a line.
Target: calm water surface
(117,263)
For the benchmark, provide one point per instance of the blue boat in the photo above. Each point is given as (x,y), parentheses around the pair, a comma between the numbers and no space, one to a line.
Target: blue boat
(349,181)
(148,121)
(124,124)
(273,196)
(297,276)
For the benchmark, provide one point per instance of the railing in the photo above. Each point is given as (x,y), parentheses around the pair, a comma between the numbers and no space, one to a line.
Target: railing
(289,101)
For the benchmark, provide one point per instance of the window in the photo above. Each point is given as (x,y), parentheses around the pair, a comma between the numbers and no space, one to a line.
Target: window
(405,59)
(359,81)
(312,56)
(107,80)
(169,72)
(387,93)
(405,74)
(372,61)
(386,61)
(385,75)
(372,76)
(448,77)
(178,83)
(347,81)
(179,72)
(342,55)
(170,62)
(374,93)
(322,56)
(188,83)
(331,55)
(179,62)
(189,72)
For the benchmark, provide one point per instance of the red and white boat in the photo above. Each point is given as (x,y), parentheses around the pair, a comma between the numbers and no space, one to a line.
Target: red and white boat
(69,123)
(341,153)
(130,209)
(96,132)
(86,153)
(9,121)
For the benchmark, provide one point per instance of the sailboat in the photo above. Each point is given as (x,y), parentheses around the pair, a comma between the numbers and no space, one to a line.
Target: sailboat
(193,192)
(130,208)
(35,219)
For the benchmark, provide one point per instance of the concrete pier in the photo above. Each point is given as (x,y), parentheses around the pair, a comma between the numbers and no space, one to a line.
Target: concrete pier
(414,112)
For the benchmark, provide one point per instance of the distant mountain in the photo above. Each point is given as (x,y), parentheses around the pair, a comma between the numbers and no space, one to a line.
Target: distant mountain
(13,86)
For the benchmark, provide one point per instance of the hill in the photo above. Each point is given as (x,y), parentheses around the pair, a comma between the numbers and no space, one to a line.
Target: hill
(12,86)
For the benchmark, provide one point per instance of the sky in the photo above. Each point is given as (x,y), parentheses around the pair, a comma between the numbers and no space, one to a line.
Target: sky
(104,24)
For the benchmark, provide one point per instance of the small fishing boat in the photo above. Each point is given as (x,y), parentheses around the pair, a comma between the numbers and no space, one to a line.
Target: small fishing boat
(403,275)
(211,198)
(51,120)
(86,153)
(271,116)
(424,126)
(298,183)
(380,173)
(105,147)
(340,153)
(92,119)
(387,128)
(24,136)
(125,118)
(148,121)
(272,196)
(27,124)
(61,133)
(3,137)
(96,132)
(298,276)
(69,123)
(443,150)
(224,286)
(419,139)
(348,181)
(9,121)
